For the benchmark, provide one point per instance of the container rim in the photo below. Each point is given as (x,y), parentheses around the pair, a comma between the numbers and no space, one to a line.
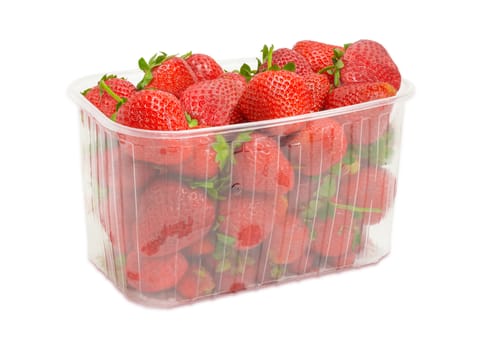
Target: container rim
(405,92)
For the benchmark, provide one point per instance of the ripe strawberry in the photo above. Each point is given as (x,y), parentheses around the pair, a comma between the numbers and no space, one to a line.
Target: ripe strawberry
(319,86)
(172,216)
(110,93)
(249,219)
(335,235)
(318,146)
(282,57)
(204,66)
(168,73)
(307,263)
(203,247)
(369,61)
(319,55)
(260,166)
(366,126)
(369,192)
(197,282)
(234,76)
(213,102)
(289,240)
(276,94)
(151,275)
(342,261)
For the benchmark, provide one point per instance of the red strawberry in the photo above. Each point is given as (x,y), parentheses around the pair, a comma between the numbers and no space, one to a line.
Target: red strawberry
(307,263)
(342,261)
(249,219)
(150,275)
(236,278)
(369,61)
(289,240)
(319,55)
(110,93)
(172,216)
(154,110)
(319,86)
(203,247)
(365,126)
(276,94)
(233,76)
(335,235)
(369,192)
(197,282)
(167,73)
(260,166)
(283,57)
(213,102)
(204,66)
(318,146)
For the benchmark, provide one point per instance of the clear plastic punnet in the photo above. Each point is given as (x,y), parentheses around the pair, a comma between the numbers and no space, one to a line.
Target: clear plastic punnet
(168,223)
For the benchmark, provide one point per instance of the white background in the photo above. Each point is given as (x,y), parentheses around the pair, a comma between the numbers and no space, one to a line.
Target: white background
(431,292)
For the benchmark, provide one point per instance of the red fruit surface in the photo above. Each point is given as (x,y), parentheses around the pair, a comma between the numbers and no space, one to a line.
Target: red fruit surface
(369,61)
(103,101)
(319,55)
(289,240)
(150,275)
(203,247)
(153,110)
(213,102)
(335,235)
(204,66)
(260,166)
(249,219)
(370,192)
(233,76)
(283,56)
(321,144)
(173,75)
(307,263)
(319,86)
(342,261)
(365,126)
(276,94)
(197,282)
(172,216)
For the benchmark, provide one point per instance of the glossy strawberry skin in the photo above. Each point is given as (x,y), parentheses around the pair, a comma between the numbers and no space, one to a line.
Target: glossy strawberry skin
(106,103)
(171,216)
(204,66)
(276,94)
(369,61)
(372,189)
(151,275)
(320,145)
(319,86)
(366,126)
(318,54)
(213,102)
(260,166)
(197,282)
(173,75)
(283,56)
(249,219)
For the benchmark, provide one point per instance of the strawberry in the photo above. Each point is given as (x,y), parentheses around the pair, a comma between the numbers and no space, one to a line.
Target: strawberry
(318,54)
(280,58)
(260,166)
(171,216)
(204,66)
(289,240)
(276,94)
(319,86)
(365,126)
(369,61)
(307,263)
(369,192)
(335,235)
(197,282)
(318,146)
(234,76)
(342,261)
(247,220)
(213,102)
(110,93)
(168,73)
(203,247)
(151,275)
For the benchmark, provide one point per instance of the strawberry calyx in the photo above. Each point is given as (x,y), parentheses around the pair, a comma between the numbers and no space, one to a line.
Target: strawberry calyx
(192,123)
(338,64)
(105,88)
(267,60)
(147,67)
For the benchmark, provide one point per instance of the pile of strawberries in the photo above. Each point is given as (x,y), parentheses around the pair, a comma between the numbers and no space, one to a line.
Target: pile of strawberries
(215,212)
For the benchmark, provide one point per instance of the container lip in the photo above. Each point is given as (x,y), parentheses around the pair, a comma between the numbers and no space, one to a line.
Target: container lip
(405,92)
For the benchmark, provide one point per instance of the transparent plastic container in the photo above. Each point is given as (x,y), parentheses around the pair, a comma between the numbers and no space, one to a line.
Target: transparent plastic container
(167,226)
